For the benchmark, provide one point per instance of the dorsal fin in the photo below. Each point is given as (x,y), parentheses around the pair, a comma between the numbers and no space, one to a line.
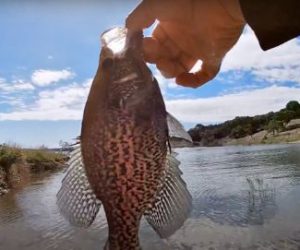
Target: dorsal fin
(176,129)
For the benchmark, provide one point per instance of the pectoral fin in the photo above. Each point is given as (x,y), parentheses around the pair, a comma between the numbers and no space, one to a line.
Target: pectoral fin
(172,204)
(75,199)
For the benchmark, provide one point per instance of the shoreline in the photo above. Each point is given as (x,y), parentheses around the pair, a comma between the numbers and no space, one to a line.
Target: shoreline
(294,142)
(17,165)
(260,138)
(265,137)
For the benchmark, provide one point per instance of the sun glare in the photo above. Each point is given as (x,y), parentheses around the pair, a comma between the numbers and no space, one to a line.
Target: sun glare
(196,67)
(115,39)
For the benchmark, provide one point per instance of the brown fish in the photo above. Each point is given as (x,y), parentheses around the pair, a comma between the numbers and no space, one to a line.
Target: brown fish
(123,161)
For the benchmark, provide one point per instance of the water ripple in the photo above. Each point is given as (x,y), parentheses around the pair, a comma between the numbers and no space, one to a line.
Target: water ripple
(244,198)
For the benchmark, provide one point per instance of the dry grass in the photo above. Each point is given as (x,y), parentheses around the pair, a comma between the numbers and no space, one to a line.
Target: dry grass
(10,155)
(37,159)
(44,159)
(16,164)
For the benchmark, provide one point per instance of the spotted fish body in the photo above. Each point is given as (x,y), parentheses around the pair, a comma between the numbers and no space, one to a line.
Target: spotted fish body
(124,151)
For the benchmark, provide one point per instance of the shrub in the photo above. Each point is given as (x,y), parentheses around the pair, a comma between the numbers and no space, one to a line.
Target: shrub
(44,159)
(9,155)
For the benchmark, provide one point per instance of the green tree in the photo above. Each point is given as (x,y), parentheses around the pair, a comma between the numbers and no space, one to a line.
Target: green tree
(285,115)
(238,132)
(274,126)
(293,106)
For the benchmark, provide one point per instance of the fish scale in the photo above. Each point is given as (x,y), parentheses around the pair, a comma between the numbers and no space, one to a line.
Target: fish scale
(125,195)
(122,161)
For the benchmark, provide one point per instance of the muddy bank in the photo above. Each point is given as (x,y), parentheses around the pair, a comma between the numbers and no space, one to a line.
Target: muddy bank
(17,165)
(3,184)
(13,176)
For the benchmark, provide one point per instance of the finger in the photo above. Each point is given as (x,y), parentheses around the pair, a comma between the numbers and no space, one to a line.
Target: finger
(141,17)
(153,50)
(159,46)
(168,10)
(171,68)
(205,74)
(161,36)
(187,62)
(163,47)
(172,10)
(159,33)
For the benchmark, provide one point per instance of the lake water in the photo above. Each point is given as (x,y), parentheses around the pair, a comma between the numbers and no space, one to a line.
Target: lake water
(245,197)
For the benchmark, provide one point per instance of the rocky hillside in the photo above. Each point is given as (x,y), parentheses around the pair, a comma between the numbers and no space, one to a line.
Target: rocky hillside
(272,123)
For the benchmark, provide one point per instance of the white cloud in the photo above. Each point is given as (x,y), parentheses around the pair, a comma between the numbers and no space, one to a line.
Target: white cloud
(15,86)
(63,103)
(284,73)
(44,77)
(87,83)
(16,101)
(222,108)
(66,103)
(278,64)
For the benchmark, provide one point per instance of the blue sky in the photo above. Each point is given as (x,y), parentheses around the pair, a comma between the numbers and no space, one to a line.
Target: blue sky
(49,53)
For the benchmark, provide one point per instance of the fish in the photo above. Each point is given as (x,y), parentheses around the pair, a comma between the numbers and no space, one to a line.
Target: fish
(124,161)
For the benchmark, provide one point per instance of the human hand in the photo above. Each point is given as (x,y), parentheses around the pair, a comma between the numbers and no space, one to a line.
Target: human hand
(187,31)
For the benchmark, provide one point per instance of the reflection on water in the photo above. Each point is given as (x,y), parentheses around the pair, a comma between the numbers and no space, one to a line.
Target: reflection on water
(251,206)
(244,198)
(261,200)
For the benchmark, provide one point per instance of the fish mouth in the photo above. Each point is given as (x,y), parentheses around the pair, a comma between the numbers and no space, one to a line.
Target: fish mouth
(122,58)
(114,39)
(119,39)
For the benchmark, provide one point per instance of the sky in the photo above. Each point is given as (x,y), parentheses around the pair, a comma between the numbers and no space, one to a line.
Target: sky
(49,54)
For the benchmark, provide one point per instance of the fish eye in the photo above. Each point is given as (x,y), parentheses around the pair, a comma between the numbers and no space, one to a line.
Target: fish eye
(107,63)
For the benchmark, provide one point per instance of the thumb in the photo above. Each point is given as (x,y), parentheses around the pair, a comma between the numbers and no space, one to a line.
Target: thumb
(141,17)
(205,74)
